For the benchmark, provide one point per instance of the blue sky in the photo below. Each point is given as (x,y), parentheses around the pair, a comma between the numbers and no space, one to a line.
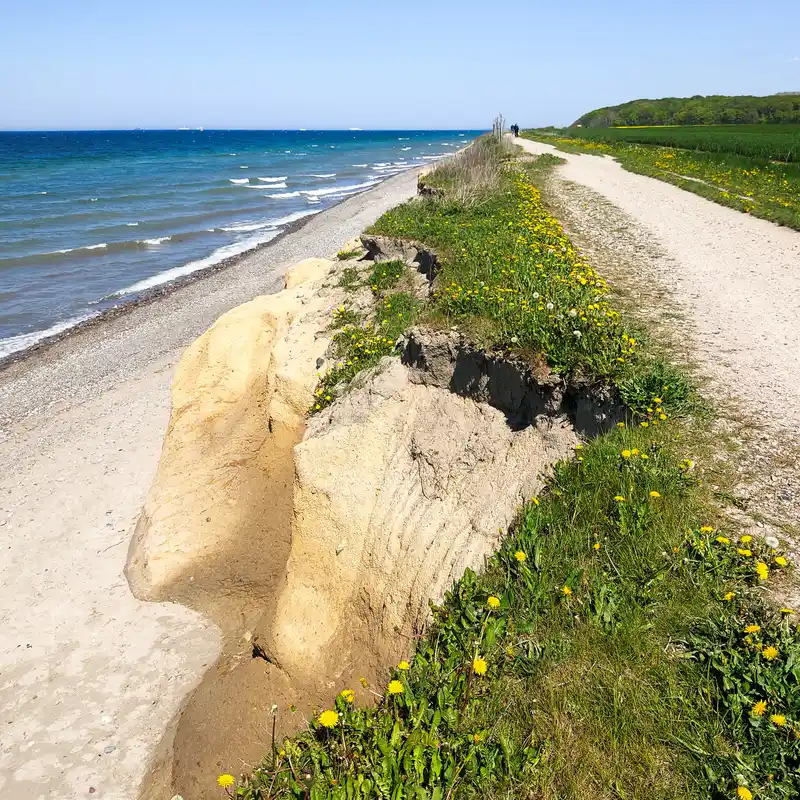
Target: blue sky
(351,63)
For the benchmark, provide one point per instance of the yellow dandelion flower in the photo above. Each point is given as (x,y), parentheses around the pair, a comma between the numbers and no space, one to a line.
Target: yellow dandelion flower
(348,695)
(778,719)
(566,591)
(619,498)
(644,456)
(626,453)
(225,780)
(520,556)
(328,719)
(722,539)
(746,539)
(493,602)
(657,400)
(635,451)
(759,708)
(479,666)
(745,553)
(788,611)
(662,416)
(596,545)
(729,596)
(655,494)
(706,529)
(535,501)
(363,682)
(770,653)
(781,561)
(752,629)
(620,424)
(743,793)
(395,687)
(762,570)
(645,424)
(404,665)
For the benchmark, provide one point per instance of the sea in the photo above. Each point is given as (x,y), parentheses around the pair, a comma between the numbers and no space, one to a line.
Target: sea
(90,220)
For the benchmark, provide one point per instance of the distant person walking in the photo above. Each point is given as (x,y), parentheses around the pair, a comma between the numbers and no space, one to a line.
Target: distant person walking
(515,129)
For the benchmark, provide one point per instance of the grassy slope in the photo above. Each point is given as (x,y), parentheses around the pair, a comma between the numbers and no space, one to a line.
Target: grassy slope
(753,186)
(601,653)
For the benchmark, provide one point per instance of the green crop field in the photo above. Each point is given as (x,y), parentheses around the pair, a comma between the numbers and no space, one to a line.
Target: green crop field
(770,142)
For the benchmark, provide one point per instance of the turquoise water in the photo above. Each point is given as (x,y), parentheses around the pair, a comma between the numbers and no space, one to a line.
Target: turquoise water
(90,220)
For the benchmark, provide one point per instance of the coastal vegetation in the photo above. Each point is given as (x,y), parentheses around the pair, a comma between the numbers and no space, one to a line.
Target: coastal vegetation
(698,110)
(619,643)
(769,142)
(705,161)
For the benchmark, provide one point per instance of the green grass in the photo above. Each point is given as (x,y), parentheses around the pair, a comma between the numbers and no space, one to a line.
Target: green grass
(753,186)
(358,347)
(615,667)
(602,653)
(385,275)
(767,142)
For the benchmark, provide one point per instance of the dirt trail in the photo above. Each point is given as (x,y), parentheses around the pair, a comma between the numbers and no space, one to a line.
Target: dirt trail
(726,283)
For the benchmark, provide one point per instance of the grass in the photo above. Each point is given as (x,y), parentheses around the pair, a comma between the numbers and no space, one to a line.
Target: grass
(768,142)
(606,650)
(752,185)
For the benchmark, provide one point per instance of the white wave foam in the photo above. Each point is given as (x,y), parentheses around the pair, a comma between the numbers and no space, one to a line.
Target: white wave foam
(131,224)
(326,175)
(239,180)
(101,246)
(281,195)
(403,138)
(243,166)
(405,148)
(338,189)
(220,254)
(360,165)
(23,341)
(159,240)
(269,180)
(42,192)
(267,186)
(462,134)
(255,226)
(313,200)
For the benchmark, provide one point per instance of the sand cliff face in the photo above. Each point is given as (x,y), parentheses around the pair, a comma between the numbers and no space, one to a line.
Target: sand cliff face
(317,543)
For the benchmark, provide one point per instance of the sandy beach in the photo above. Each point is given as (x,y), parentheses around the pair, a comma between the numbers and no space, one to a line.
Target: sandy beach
(89,676)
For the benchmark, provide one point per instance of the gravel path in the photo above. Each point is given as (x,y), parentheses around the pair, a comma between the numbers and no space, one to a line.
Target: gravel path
(728,285)
(89,676)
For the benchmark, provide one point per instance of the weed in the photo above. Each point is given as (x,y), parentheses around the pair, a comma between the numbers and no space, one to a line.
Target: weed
(348,255)
(350,279)
(385,275)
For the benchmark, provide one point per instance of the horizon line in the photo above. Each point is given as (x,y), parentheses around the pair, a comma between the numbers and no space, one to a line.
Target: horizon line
(199,129)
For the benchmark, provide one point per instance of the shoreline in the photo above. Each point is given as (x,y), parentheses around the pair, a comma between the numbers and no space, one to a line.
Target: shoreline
(82,423)
(161,290)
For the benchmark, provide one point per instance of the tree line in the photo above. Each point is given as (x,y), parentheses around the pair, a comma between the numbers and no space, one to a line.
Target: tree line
(698,110)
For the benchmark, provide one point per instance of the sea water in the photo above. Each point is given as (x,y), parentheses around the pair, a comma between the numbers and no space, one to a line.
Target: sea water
(92,219)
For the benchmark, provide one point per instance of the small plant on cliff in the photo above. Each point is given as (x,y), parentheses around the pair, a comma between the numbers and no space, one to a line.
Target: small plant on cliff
(385,275)
(350,279)
(357,348)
